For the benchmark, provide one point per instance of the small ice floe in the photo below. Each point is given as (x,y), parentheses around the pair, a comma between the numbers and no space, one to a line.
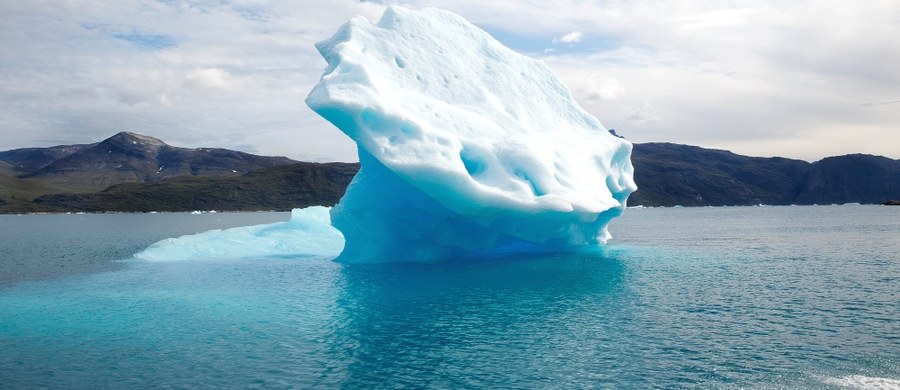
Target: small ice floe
(308,234)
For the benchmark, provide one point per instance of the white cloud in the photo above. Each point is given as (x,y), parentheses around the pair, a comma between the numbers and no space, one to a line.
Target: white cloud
(762,78)
(642,116)
(717,19)
(204,79)
(594,88)
(572,37)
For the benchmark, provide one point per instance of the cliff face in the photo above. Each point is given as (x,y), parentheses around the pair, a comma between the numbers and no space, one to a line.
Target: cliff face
(852,178)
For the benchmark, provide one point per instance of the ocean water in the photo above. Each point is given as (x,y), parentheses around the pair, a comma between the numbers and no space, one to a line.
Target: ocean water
(729,298)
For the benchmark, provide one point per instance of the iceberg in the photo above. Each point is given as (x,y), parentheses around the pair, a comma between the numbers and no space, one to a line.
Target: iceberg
(467,147)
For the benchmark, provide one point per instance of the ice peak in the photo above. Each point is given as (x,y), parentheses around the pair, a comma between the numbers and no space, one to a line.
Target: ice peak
(481,146)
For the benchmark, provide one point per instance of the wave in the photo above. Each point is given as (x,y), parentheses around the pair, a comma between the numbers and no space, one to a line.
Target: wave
(864,382)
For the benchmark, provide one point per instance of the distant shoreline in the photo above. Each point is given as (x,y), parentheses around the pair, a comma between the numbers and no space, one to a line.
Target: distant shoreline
(635,207)
(134,173)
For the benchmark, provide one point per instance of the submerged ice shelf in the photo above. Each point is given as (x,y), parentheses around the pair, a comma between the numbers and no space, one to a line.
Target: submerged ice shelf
(467,148)
(307,234)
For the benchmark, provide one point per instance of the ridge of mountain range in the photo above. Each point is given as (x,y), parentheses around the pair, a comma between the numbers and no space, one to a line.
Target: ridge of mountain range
(130,172)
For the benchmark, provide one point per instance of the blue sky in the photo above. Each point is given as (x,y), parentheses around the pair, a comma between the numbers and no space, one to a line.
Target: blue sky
(802,79)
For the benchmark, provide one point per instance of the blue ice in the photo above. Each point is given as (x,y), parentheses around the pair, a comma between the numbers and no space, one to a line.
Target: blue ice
(467,148)
(307,234)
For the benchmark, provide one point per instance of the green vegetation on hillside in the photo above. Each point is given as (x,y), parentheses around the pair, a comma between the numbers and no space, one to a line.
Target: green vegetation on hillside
(134,173)
(279,188)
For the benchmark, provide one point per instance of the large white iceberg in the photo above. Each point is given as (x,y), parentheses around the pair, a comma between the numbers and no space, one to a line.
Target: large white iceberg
(467,147)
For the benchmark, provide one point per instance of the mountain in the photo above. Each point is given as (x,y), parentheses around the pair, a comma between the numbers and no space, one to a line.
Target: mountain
(133,172)
(128,158)
(283,187)
(671,174)
(125,158)
(29,160)
(852,178)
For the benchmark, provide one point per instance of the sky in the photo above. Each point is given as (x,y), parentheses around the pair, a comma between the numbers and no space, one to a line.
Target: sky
(802,79)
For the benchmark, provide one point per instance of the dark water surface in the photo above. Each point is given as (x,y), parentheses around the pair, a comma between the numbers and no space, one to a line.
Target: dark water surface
(752,297)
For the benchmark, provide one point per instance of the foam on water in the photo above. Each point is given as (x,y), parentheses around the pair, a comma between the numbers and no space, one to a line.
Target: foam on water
(864,382)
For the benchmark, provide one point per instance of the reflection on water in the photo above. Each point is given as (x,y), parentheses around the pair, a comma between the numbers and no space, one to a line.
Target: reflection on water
(478,324)
(800,298)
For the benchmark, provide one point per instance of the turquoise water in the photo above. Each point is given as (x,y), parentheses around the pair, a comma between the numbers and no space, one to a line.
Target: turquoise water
(751,297)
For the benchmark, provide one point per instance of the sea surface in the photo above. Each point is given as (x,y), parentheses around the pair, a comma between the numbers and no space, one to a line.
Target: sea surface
(708,298)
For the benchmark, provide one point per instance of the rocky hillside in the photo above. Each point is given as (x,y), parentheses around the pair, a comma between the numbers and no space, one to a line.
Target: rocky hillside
(284,187)
(853,178)
(127,158)
(671,174)
(133,172)
(99,176)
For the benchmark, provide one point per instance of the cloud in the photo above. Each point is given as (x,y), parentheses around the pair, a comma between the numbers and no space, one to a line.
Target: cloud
(148,41)
(206,79)
(871,104)
(777,79)
(594,88)
(572,37)
(711,20)
(134,95)
(801,79)
(642,116)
